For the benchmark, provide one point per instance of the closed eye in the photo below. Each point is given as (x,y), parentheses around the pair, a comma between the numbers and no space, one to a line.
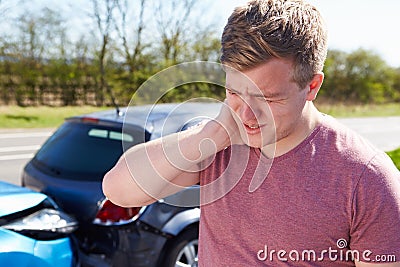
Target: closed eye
(268,100)
(230,91)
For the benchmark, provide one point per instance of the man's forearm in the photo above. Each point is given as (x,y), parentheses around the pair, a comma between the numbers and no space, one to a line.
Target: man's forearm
(148,169)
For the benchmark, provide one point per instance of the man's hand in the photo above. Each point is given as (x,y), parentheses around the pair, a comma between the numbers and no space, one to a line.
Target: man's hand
(227,120)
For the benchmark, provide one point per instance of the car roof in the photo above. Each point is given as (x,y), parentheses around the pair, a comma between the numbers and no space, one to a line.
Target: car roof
(158,119)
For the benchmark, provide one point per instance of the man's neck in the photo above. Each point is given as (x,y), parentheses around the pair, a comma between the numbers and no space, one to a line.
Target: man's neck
(309,119)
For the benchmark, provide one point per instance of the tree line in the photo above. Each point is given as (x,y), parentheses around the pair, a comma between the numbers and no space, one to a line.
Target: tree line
(129,41)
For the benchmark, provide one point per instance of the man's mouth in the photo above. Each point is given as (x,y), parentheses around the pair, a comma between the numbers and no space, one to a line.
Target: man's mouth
(253,128)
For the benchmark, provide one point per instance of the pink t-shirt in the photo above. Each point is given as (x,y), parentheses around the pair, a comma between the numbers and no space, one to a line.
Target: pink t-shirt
(332,199)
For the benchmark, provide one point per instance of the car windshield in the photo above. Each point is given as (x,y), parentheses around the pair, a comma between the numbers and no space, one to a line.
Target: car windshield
(81,151)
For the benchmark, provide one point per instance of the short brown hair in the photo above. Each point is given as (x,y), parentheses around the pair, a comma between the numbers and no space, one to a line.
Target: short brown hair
(265,29)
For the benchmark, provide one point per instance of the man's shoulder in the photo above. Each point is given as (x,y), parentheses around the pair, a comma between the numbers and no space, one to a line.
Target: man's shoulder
(336,138)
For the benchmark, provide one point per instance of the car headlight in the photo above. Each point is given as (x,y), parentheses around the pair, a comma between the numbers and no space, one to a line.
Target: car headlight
(44,224)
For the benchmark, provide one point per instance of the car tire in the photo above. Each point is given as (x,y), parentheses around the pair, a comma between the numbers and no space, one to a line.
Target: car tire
(182,250)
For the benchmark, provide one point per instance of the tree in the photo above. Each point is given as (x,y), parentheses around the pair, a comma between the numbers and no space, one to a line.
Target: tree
(103,11)
(367,77)
(358,77)
(335,86)
(206,47)
(179,30)
(396,84)
(41,37)
(130,29)
(135,50)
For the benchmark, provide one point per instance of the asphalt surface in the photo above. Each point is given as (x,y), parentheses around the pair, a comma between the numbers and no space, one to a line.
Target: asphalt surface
(17,147)
(383,132)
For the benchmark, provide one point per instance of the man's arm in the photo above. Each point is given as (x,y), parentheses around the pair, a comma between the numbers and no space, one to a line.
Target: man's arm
(376,216)
(161,167)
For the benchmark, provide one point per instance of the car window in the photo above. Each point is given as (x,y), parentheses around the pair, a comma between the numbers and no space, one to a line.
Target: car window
(113,135)
(84,151)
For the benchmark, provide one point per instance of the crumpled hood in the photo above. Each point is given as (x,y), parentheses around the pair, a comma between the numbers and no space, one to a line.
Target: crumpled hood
(15,198)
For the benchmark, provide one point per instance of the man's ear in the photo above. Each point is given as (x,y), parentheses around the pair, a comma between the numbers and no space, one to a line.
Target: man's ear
(314,85)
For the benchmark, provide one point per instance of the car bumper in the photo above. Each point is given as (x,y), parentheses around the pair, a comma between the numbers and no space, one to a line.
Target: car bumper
(19,250)
(134,244)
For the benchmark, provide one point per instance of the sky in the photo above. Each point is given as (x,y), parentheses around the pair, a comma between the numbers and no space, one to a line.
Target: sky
(352,24)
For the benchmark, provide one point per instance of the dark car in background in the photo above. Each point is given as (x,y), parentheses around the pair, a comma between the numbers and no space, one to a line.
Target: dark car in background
(70,167)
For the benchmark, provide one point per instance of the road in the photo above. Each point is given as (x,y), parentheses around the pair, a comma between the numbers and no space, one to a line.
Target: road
(18,146)
(383,132)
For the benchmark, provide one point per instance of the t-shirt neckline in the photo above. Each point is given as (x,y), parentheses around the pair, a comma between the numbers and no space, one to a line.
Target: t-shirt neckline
(291,152)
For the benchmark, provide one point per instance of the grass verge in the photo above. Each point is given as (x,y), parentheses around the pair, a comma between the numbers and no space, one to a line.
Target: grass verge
(39,117)
(50,117)
(369,110)
(395,155)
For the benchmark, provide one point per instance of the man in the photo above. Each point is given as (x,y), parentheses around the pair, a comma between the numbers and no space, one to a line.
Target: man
(281,183)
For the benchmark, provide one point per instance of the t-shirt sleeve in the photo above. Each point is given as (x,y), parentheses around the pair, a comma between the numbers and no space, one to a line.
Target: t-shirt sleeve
(375,221)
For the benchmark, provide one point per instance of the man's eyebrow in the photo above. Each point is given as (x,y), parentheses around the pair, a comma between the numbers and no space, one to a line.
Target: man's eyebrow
(268,95)
(229,88)
(273,95)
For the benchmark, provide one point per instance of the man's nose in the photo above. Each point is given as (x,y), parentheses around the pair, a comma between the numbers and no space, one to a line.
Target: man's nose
(248,111)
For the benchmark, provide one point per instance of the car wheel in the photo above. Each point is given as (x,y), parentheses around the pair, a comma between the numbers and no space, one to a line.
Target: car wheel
(182,251)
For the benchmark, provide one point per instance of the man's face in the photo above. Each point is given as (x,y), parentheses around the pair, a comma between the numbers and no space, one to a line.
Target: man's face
(267,102)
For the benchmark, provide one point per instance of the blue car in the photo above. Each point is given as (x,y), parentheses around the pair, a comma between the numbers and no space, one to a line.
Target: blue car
(33,231)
